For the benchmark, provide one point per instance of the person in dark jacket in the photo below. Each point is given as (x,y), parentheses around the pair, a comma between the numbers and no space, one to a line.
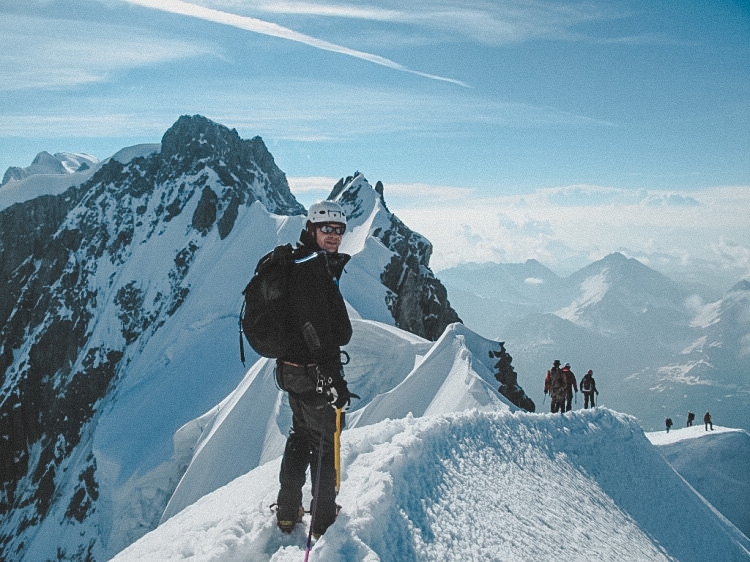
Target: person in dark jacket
(690,419)
(669,424)
(310,369)
(707,421)
(588,388)
(570,384)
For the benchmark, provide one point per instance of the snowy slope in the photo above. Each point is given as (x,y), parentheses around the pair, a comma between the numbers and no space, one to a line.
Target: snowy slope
(716,463)
(136,464)
(387,364)
(46,163)
(437,467)
(475,485)
(450,377)
(17,191)
(63,171)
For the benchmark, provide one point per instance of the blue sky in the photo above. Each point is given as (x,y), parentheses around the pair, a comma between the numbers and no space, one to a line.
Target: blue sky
(448,102)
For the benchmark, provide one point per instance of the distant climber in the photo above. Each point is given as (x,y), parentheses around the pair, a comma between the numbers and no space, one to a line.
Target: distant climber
(554,384)
(570,385)
(669,424)
(588,388)
(690,418)
(707,421)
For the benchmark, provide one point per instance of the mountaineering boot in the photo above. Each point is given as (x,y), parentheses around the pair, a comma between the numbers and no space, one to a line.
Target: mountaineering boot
(286,519)
(318,532)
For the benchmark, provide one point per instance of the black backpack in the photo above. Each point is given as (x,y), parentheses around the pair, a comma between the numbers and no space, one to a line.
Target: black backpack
(587,384)
(265,311)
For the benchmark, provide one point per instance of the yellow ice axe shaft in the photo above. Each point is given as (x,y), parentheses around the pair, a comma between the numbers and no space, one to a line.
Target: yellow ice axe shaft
(337,449)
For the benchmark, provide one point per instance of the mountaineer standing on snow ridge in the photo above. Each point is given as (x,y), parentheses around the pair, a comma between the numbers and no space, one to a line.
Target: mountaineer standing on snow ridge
(554,383)
(570,384)
(310,369)
(588,388)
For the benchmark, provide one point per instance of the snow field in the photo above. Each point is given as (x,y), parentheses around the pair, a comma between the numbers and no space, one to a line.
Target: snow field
(475,485)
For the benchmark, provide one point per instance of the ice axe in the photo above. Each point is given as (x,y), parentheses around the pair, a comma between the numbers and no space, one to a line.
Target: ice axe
(337,449)
(337,445)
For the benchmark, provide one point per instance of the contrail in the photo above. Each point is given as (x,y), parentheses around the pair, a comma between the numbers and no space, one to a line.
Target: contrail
(274,30)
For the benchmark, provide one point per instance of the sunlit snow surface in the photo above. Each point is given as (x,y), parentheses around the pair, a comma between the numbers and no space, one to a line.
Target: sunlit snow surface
(475,485)
(715,462)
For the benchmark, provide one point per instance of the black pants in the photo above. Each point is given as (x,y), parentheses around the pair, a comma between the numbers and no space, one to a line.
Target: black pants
(568,400)
(586,397)
(557,405)
(310,443)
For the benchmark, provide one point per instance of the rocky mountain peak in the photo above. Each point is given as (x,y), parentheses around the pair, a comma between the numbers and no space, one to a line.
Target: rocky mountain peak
(45,159)
(195,143)
(742,286)
(417,300)
(45,163)
(198,139)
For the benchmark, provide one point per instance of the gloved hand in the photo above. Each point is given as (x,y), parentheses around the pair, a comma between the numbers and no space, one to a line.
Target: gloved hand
(338,394)
(334,386)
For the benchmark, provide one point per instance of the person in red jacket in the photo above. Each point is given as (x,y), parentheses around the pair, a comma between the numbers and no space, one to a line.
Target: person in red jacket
(570,384)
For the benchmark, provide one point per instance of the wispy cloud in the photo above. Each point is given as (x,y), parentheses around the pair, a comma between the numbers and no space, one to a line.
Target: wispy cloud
(594,196)
(367,12)
(311,184)
(308,189)
(424,190)
(487,23)
(44,53)
(566,229)
(256,25)
(360,109)
(110,124)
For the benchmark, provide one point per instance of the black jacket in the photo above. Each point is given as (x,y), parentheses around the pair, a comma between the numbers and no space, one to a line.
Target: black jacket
(591,383)
(319,321)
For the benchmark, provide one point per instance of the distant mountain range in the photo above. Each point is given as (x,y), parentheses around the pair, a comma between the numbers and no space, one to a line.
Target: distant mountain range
(656,348)
(46,163)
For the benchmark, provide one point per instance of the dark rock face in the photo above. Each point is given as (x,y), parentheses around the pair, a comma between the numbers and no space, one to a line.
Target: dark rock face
(508,380)
(417,300)
(195,144)
(59,258)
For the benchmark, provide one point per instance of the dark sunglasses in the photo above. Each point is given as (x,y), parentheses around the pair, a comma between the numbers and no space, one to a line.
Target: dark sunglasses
(330,229)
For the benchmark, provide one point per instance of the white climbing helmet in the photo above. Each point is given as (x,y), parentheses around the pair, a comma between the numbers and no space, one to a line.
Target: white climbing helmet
(326,211)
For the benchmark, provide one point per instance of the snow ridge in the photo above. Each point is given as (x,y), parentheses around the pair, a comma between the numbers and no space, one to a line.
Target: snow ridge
(474,485)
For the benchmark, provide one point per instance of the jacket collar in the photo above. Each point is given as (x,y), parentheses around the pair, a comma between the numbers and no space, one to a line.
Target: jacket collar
(335,262)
